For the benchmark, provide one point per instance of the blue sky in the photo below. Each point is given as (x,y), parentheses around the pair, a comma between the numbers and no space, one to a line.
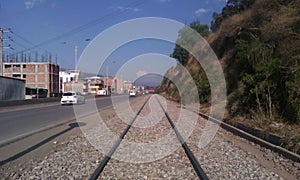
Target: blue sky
(57,26)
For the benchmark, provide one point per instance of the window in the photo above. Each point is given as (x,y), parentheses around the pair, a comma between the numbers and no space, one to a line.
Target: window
(16,65)
(24,65)
(17,75)
(7,66)
(24,76)
(69,94)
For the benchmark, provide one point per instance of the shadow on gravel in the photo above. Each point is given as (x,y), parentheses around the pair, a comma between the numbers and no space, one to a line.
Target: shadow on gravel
(20,154)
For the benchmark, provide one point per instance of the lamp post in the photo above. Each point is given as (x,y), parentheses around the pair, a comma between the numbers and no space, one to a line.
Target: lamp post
(76,54)
(75,50)
(107,76)
(75,61)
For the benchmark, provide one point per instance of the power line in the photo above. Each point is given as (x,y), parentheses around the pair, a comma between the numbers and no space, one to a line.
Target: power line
(86,26)
(17,43)
(24,39)
(24,56)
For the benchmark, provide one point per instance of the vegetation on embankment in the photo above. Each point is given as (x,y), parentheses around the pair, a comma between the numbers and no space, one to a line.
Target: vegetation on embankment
(258,45)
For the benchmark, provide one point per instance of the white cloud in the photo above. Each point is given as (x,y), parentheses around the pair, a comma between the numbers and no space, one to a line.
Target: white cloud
(122,8)
(201,11)
(164,1)
(221,1)
(31,3)
(141,73)
(145,64)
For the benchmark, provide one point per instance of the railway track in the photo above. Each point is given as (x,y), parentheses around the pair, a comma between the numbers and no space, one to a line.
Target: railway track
(161,155)
(193,160)
(107,157)
(288,154)
(189,153)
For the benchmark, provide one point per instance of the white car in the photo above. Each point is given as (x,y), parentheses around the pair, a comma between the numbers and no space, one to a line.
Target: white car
(103,92)
(72,98)
(132,93)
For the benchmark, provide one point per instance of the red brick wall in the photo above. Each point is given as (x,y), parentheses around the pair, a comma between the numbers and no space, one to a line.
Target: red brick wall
(30,78)
(30,68)
(42,67)
(41,78)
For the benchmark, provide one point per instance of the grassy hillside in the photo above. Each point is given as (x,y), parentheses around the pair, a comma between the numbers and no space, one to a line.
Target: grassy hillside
(259,49)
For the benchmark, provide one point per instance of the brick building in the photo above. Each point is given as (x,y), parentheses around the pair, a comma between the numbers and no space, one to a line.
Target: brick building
(36,74)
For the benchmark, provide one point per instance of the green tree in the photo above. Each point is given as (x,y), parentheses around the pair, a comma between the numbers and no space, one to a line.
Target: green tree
(186,39)
(232,7)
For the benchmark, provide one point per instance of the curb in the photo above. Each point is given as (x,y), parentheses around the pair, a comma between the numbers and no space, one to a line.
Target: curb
(27,101)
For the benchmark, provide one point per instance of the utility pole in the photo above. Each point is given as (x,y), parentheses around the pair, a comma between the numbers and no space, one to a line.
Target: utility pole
(75,51)
(1,52)
(107,78)
(1,49)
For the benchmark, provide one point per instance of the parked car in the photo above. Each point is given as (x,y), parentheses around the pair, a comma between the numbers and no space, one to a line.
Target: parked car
(72,98)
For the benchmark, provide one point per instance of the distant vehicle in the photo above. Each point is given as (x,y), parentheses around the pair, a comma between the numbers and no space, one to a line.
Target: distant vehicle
(132,93)
(72,98)
(31,92)
(103,92)
(152,91)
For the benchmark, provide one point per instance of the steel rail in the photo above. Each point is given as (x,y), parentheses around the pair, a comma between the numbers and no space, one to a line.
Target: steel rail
(197,167)
(241,133)
(107,157)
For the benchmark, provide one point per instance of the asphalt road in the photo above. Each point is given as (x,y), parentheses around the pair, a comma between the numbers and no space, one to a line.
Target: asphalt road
(17,122)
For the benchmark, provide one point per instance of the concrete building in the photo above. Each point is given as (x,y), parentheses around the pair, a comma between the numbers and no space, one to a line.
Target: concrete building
(109,84)
(91,85)
(118,85)
(127,86)
(36,74)
(115,84)
(68,77)
(74,86)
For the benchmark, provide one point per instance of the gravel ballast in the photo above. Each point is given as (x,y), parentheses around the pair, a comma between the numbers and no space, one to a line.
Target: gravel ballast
(150,150)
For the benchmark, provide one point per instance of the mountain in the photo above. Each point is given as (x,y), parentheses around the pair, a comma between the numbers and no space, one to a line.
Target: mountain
(150,80)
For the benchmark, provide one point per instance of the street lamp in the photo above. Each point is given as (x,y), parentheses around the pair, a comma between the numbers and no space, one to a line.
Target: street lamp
(107,76)
(76,50)
(76,54)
